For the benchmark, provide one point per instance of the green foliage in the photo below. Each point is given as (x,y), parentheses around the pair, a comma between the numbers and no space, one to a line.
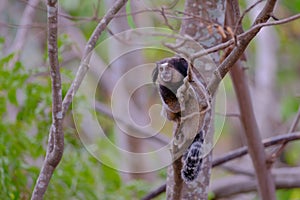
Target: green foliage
(292,153)
(292,5)
(82,9)
(21,103)
(77,176)
(288,194)
(163,174)
(289,107)
(133,190)
(211,195)
(24,136)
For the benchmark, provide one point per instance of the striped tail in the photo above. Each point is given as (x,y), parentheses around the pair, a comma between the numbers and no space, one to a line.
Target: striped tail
(192,159)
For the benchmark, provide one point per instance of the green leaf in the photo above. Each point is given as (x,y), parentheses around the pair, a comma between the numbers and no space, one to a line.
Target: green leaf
(5,60)
(292,153)
(289,107)
(283,194)
(12,96)
(2,40)
(111,177)
(2,106)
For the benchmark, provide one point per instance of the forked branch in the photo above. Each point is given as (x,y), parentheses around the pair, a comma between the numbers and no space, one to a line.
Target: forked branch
(56,138)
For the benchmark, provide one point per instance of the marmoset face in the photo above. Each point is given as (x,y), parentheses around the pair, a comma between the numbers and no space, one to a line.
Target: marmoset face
(170,70)
(168,74)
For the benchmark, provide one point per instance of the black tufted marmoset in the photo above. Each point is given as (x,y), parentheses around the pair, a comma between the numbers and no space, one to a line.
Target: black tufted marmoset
(169,74)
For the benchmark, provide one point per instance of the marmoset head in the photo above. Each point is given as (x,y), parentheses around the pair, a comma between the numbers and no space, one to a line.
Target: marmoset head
(169,74)
(170,71)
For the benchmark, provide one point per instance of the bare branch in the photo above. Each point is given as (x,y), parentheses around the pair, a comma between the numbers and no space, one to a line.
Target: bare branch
(103,109)
(19,41)
(84,65)
(238,170)
(236,154)
(267,143)
(79,41)
(238,50)
(56,137)
(295,122)
(284,178)
(163,14)
(240,37)
(256,150)
(155,193)
(280,149)
(26,19)
(239,21)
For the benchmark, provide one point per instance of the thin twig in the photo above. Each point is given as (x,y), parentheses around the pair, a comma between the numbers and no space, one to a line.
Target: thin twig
(163,14)
(238,50)
(238,170)
(236,185)
(239,21)
(295,122)
(280,149)
(155,192)
(200,18)
(266,142)
(20,39)
(237,115)
(193,56)
(240,37)
(84,65)
(103,109)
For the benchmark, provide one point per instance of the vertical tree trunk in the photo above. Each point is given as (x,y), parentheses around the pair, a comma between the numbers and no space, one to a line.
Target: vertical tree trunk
(265,183)
(204,15)
(266,43)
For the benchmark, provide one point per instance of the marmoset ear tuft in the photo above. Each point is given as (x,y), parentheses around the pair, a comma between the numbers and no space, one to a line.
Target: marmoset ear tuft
(182,66)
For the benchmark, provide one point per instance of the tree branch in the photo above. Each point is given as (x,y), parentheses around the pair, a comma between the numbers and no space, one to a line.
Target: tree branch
(256,150)
(264,179)
(21,34)
(241,36)
(280,149)
(284,178)
(155,192)
(103,109)
(233,155)
(238,23)
(267,143)
(56,137)
(238,50)
(84,65)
